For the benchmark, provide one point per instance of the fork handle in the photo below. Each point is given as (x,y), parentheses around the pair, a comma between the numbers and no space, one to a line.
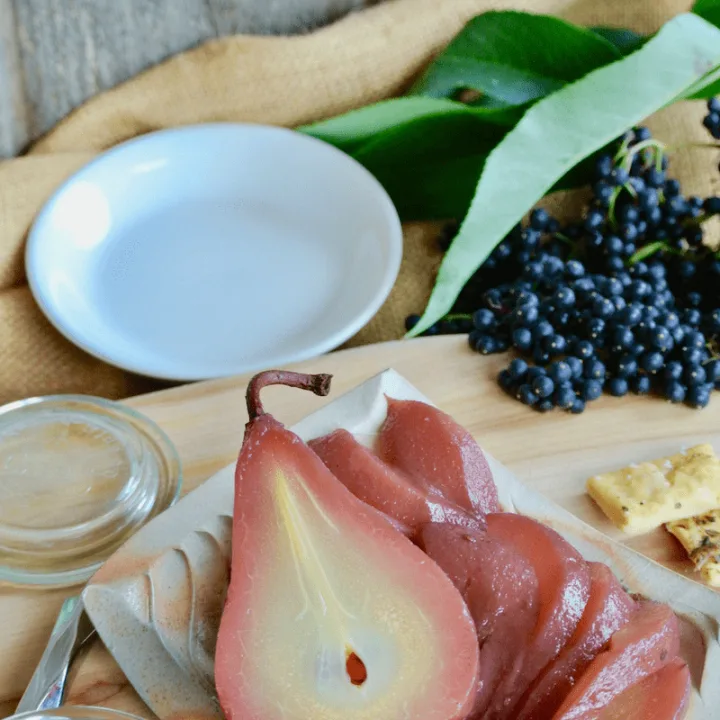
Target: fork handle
(47,686)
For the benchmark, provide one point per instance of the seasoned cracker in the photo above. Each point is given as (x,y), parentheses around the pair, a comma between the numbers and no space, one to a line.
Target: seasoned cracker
(700,536)
(644,496)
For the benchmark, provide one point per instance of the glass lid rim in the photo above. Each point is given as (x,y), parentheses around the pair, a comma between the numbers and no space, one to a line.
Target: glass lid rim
(67,710)
(140,423)
(78,397)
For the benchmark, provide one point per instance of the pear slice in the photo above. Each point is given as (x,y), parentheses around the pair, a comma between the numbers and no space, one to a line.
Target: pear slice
(501,590)
(438,454)
(332,614)
(662,696)
(384,488)
(609,608)
(645,645)
(563,588)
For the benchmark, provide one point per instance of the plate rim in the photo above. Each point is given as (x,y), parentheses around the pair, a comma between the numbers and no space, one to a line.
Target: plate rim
(394,245)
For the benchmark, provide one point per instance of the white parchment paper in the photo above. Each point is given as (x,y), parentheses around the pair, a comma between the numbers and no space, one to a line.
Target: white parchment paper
(157,602)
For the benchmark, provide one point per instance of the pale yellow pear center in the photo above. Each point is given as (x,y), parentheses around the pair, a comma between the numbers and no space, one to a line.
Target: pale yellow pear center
(330,590)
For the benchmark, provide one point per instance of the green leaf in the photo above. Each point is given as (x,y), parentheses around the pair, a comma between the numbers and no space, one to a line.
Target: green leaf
(626,41)
(427,152)
(351,130)
(709,10)
(430,166)
(647,250)
(563,129)
(708,86)
(485,101)
(515,58)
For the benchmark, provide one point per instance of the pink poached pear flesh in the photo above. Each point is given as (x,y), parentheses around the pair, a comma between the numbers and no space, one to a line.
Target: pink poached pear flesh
(563,591)
(665,695)
(646,644)
(608,609)
(500,589)
(437,454)
(385,488)
(332,614)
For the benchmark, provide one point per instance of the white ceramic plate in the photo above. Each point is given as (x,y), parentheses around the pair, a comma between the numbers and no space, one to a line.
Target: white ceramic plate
(213,250)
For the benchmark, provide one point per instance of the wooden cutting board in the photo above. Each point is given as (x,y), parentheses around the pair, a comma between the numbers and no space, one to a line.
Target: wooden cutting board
(554,452)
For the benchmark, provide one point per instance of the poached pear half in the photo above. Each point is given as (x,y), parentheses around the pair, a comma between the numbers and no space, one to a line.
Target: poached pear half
(332,613)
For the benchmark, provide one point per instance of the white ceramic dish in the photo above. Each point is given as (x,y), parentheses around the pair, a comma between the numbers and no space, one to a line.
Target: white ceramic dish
(212,250)
(157,602)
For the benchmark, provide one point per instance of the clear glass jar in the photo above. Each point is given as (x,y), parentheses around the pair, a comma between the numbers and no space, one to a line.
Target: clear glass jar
(78,476)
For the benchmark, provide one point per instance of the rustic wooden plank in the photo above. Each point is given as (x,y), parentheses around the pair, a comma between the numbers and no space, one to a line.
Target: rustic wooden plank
(13,115)
(553,453)
(54,55)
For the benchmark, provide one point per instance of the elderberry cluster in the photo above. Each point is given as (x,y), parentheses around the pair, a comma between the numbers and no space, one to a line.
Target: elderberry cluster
(712,120)
(590,332)
(627,299)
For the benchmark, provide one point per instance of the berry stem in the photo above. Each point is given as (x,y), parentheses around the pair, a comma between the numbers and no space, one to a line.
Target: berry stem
(700,219)
(627,186)
(625,156)
(611,206)
(458,316)
(620,154)
(318,384)
(647,250)
(658,161)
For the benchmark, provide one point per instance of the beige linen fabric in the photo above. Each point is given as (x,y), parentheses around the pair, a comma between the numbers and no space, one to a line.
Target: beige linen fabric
(287,81)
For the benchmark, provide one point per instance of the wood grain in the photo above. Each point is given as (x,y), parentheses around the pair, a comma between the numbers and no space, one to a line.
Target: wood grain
(553,452)
(14,123)
(54,54)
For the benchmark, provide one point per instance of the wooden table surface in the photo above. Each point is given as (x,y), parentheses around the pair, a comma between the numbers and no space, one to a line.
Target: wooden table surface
(205,420)
(54,54)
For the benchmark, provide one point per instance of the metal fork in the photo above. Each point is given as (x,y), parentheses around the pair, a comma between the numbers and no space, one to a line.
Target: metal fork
(47,686)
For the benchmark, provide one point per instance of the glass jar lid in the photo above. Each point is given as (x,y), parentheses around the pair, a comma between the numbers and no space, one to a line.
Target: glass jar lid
(76,712)
(78,476)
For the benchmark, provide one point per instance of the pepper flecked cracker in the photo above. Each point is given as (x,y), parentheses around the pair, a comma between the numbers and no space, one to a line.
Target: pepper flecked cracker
(644,496)
(700,536)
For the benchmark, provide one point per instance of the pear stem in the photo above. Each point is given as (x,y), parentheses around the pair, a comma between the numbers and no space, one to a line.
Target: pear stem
(319,384)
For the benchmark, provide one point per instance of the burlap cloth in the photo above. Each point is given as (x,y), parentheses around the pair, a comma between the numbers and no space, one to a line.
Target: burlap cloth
(287,81)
